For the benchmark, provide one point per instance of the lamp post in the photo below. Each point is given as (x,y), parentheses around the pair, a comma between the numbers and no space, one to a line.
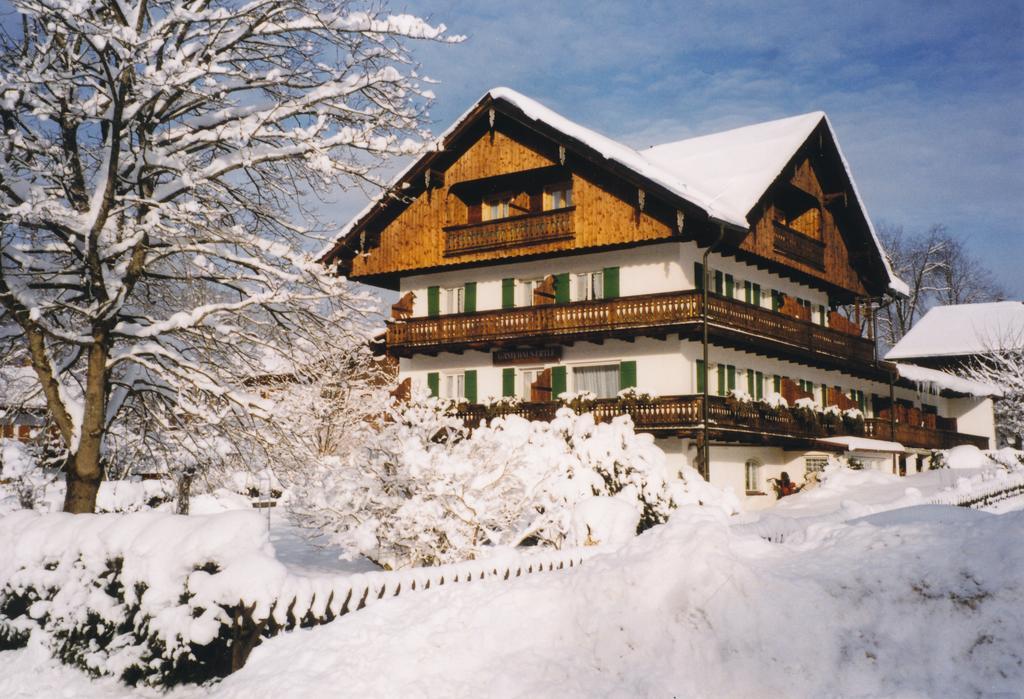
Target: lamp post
(705,461)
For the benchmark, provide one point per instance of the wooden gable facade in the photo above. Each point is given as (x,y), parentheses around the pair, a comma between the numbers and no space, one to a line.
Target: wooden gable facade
(807,226)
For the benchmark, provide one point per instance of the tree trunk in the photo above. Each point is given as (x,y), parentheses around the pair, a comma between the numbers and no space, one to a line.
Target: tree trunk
(83,485)
(84,470)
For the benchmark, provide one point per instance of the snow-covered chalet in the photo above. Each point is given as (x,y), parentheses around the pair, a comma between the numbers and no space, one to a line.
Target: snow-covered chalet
(535,257)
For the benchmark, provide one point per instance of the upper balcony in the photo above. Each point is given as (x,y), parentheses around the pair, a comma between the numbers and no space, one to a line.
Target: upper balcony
(730,420)
(515,231)
(730,321)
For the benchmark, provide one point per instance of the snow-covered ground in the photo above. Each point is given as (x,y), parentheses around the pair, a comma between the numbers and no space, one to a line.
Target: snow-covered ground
(916,602)
(874,592)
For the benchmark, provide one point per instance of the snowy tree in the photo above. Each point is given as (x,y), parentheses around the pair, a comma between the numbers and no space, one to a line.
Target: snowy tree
(938,270)
(1004,368)
(153,163)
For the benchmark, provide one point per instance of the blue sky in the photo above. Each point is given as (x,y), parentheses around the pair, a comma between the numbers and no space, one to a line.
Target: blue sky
(927,98)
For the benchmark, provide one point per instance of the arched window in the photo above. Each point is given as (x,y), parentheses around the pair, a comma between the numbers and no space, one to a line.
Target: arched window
(753,476)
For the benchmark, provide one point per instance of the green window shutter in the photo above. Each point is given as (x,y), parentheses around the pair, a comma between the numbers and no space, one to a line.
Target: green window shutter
(822,317)
(702,376)
(558,384)
(611,282)
(777,383)
(750,383)
(862,402)
(698,275)
(508,293)
(508,381)
(759,385)
(731,370)
(757,294)
(730,284)
(748,292)
(562,288)
(721,379)
(627,375)
(470,379)
(434,383)
(433,300)
(719,281)
(776,300)
(470,301)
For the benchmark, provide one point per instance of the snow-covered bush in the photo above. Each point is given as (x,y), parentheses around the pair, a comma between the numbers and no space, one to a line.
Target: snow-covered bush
(426,491)
(150,598)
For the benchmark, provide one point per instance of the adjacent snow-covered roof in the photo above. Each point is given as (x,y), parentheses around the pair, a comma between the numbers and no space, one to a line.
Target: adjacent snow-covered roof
(948,382)
(865,444)
(970,328)
(725,173)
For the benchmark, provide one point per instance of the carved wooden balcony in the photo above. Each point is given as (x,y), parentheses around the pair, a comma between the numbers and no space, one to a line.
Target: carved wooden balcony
(734,322)
(733,421)
(799,247)
(516,231)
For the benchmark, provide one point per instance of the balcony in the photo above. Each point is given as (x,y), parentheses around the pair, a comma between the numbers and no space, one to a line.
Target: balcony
(732,421)
(739,324)
(799,247)
(517,231)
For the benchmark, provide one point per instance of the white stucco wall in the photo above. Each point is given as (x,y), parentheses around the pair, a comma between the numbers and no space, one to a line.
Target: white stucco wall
(974,416)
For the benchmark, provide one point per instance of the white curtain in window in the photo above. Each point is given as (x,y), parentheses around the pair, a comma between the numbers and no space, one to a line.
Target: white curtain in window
(602,381)
(528,377)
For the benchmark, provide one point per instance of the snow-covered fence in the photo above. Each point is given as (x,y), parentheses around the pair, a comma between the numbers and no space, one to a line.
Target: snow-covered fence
(982,496)
(163,599)
(972,493)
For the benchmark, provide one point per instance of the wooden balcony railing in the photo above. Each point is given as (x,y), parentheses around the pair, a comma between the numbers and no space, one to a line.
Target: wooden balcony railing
(797,246)
(634,315)
(733,419)
(529,229)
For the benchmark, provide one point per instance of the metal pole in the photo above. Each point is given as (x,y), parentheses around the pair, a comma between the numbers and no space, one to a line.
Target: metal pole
(705,465)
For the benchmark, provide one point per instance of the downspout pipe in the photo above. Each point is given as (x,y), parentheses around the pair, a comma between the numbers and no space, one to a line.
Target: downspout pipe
(705,465)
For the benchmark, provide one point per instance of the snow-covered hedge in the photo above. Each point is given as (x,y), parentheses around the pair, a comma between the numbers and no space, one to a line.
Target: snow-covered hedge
(162,599)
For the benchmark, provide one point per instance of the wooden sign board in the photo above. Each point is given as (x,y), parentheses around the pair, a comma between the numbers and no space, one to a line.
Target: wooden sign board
(527,355)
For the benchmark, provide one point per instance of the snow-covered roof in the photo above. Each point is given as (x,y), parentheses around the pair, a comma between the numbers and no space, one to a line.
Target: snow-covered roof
(736,167)
(970,328)
(945,381)
(725,173)
(865,444)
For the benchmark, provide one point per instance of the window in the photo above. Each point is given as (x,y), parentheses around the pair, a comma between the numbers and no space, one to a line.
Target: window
(558,197)
(526,287)
(753,476)
(453,300)
(752,293)
(602,381)
(588,286)
(526,379)
(815,464)
(496,208)
(726,378)
(453,386)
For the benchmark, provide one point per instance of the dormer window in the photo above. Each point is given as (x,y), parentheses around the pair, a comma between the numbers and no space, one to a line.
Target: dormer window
(558,196)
